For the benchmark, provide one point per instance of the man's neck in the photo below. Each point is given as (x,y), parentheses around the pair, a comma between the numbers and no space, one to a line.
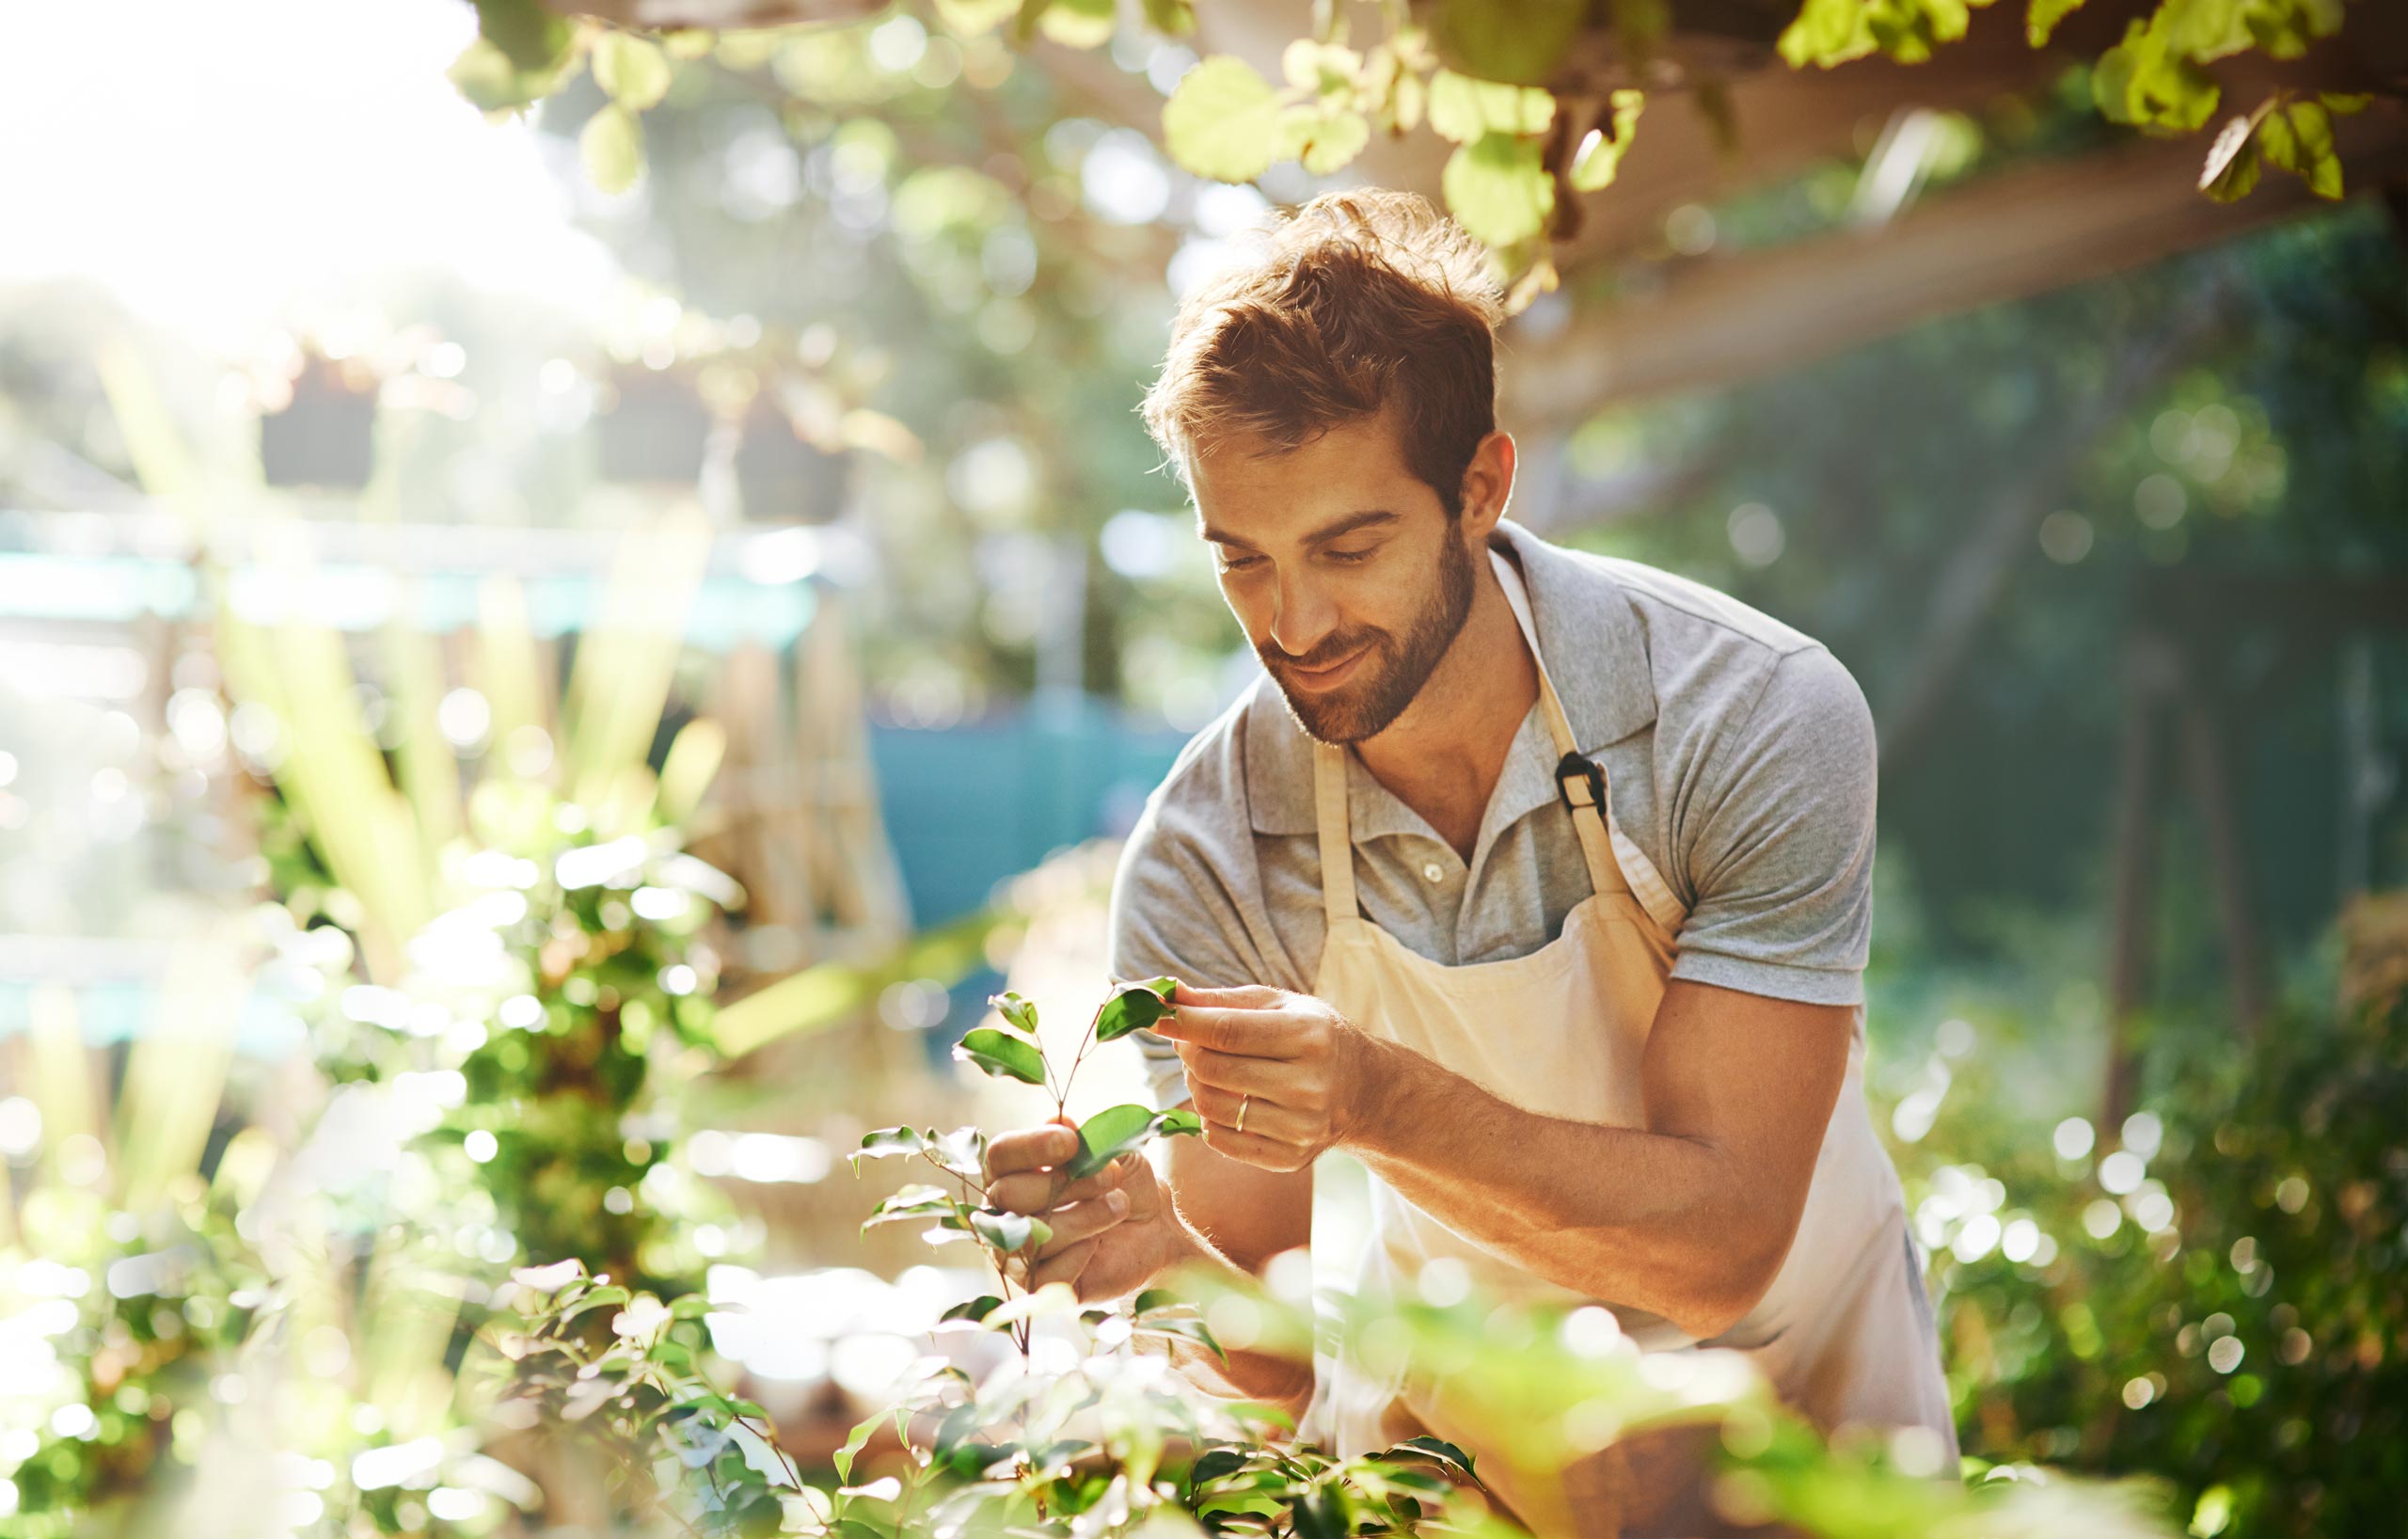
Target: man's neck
(1443,754)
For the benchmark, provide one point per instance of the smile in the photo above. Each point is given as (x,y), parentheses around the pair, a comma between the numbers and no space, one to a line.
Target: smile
(1324,678)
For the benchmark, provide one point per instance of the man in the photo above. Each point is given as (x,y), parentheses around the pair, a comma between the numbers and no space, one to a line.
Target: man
(1538,882)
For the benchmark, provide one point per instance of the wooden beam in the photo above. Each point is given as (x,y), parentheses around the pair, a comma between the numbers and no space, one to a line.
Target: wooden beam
(2017,235)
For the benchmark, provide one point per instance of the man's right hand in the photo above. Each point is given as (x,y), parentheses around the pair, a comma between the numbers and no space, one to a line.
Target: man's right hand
(1113,1232)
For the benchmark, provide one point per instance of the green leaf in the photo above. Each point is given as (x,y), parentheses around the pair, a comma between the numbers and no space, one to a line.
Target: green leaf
(1140,1005)
(2043,17)
(2298,137)
(1223,121)
(2345,102)
(1831,32)
(916,1202)
(888,1141)
(1013,1009)
(1498,189)
(633,70)
(974,1309)
(842,1458)
(1432,1448)
(1009,1230)
(964,1152)
(970,18)
(1600,155)
(1155,1298)
(1824,33)
(1519,41)
(1174,17)
(1326,141)
(531,37)
(1269,1415)
(611,144)
(1078,24)
(2233,160)
(1321,68)
(2144,81)
(491,82)
(1117,1130)
(1185,1330)
(1003,1053)
(1463,109)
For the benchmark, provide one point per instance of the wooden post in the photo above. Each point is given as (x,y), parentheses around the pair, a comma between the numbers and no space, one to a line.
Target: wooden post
(2130,940)
(2206,769)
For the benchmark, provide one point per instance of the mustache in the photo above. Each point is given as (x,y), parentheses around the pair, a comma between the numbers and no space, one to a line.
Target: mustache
(1336,649)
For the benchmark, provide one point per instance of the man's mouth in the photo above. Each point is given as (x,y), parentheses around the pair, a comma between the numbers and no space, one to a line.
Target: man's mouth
(1328,677)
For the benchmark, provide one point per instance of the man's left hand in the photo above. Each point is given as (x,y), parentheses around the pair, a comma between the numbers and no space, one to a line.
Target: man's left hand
(1295,1068)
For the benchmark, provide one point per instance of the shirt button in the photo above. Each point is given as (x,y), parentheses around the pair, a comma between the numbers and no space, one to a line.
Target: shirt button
(1435,871)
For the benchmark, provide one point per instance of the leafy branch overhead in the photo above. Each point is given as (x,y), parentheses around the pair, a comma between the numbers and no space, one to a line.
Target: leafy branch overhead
(1529,132)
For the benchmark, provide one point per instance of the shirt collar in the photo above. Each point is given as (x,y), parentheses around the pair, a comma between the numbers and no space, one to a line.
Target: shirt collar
(1596,653)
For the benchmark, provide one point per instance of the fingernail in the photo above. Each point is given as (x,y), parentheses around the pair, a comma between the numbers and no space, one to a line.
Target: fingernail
(1116,1203)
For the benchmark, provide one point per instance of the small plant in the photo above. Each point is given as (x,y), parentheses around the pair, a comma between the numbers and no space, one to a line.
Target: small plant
(1012,1050)
(1117,1438)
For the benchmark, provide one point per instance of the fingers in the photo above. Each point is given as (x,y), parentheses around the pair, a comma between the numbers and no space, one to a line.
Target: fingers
(1037,1191)
(1030,1149)
(1265,1079)
(1245,994)
(1082,1221)
(1263,1119)
(1255,1032)
(1252,1148)
(1064,1267)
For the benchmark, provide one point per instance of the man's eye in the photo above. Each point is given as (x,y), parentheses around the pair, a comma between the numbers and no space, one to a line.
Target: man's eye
(1349,557)
(1239,563)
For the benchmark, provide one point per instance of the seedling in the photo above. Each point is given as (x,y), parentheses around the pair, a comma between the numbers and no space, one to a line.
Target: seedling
(1012,1050)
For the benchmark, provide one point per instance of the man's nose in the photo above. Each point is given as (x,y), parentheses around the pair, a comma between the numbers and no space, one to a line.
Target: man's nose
(1301,618)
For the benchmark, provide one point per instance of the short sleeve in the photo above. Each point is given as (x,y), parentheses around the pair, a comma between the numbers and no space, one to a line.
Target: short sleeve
(1173,912)
(1780,859)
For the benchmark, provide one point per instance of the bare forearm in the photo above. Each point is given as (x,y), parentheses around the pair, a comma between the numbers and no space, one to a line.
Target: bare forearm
(1658,1222)
(1264,1378)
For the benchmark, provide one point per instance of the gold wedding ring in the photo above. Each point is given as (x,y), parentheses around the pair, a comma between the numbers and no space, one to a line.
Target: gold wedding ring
(1244,1102)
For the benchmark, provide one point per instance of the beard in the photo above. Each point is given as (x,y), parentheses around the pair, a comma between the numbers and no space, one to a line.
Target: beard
(1396,668)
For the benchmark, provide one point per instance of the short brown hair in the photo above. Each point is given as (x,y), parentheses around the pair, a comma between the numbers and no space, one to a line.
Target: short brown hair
(1359,300)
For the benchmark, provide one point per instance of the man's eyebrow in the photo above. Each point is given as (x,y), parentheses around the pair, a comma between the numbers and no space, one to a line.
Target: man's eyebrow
(1336,529)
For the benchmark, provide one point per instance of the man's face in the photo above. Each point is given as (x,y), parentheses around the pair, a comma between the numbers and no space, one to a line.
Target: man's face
(1349,577)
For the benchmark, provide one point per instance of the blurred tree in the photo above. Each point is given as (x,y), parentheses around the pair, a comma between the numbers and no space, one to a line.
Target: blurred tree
(1974,513)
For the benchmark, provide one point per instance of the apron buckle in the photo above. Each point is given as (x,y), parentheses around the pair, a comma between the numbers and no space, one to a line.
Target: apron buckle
(1572,768)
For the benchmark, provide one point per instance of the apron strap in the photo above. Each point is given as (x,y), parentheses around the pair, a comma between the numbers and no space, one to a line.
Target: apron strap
(1337,838)
(1616,863)
(1581,781)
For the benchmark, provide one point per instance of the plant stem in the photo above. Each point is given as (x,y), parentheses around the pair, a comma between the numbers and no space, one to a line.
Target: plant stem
(1087,1039)
(994,1257)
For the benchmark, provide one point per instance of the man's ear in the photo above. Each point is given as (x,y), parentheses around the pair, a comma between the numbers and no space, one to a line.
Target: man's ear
(1488,485)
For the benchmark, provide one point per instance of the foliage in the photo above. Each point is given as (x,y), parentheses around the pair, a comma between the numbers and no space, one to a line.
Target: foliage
(673,1443)
(117,1332)
(2208,1292)
(1108,1438)
(2235,463)
(1528,130)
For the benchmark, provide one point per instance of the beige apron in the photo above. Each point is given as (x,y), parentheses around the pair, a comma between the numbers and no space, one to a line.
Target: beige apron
(1844,1333)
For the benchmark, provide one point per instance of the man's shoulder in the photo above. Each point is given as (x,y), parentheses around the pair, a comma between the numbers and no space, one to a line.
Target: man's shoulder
(1667,602)
(1709,657)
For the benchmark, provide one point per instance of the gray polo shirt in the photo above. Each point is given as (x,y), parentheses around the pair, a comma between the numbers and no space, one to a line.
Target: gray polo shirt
(1738,755)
